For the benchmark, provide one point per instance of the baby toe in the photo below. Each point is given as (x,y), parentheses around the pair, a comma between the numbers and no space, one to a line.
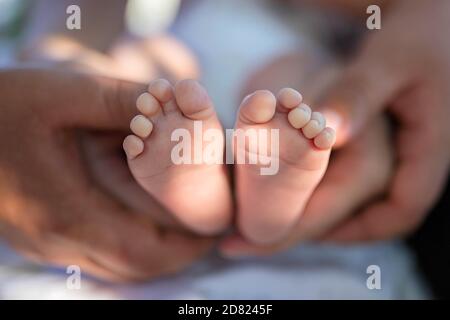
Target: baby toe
(325,139)
(314,126)
(300,116)
(147,104)
(133,146)
(193,100)
(141,126)
(161,89)
(289,98)
(258,107)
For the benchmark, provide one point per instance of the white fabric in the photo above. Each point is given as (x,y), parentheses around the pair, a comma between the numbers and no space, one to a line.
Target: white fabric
(305,272)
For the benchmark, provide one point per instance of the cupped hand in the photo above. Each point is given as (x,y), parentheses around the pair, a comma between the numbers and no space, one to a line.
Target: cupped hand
(403,68)
(50,208)
(140,60)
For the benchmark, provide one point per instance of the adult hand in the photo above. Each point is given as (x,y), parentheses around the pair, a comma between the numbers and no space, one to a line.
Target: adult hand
(50,210)
(130,59)
(405,68)
(127,59)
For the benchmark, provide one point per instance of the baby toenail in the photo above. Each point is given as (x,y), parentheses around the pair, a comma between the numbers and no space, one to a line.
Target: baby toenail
(325,139)
(147,104)
(318,117)
(162,89)
(289,98)
(133,146)
(247,97)
(310,130)
(141,126)
(298,118)
(305,107)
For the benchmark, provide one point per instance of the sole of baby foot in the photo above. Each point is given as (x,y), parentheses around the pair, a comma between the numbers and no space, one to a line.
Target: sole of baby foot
(269,205)
(197,192)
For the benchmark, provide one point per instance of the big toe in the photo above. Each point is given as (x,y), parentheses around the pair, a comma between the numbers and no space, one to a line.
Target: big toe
(258,107)
(193,100)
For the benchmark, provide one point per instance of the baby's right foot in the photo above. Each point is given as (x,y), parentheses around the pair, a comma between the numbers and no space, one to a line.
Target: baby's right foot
(269,205)
(198,194)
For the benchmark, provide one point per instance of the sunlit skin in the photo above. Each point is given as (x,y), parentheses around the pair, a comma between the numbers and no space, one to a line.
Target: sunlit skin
(50,209)
(412,85)
(396,69)
(369,159)
(268,206)
(198,195)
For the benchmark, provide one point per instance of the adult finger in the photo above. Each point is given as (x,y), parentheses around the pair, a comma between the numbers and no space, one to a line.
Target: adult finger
(128,245)
(364,87)
(66,98)
(107,165)
(422,169)
(58,253)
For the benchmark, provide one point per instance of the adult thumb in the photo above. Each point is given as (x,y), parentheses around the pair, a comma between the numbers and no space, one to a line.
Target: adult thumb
(73,99)
(360,90)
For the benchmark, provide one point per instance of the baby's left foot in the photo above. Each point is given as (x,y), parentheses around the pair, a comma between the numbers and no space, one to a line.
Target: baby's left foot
(269,205)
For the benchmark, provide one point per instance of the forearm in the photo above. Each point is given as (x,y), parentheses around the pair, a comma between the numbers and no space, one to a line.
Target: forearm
(47,37)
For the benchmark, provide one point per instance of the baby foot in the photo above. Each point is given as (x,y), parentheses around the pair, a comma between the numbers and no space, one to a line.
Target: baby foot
(268,205)
(197,193)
